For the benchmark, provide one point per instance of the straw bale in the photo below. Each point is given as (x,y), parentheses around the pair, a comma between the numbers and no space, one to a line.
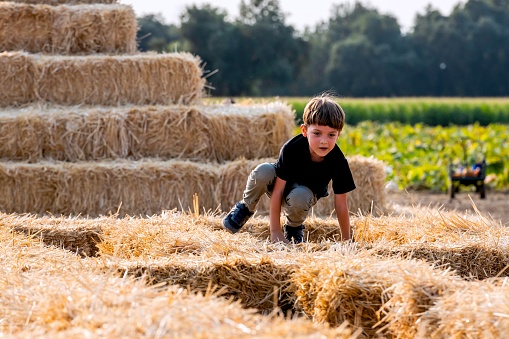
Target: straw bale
(409,298)
(332,285)
(354,289)
(427,226)
(95,133)
(368,197)
(251,131)
(77,29)
(140,79)
(478,310)
(38,132)
(124,187)
(471,260)
(18,74)
(64,2)
(257,283)
(474,246)
(78,235)
(24,254)
(83,304)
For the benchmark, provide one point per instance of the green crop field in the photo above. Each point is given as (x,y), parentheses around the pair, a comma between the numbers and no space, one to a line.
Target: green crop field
(418,156)
(430,111)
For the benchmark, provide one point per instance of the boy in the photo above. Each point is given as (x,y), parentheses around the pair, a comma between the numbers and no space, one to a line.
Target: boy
(300,176)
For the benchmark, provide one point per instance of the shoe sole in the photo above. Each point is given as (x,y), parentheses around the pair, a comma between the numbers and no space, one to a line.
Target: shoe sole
(229,227)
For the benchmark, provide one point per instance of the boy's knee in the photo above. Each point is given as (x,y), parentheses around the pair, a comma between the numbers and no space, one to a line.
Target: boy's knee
(300,197)
(264,173)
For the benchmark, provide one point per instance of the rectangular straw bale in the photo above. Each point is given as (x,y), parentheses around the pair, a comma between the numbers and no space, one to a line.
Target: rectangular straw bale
(64,2)
(140,79)
(251,281)
(413,295)
(78,29)
(471,260)
(78,235)
(201,133)
(368,173)
(478,310)
(18,74)
(72,303)
(143,79)
(251,131)
(354,289)
(25,26)
(73,134)
(127,187)
(420,226)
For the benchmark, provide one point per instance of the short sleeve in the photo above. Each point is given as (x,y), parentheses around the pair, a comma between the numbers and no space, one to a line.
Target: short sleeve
(342,179)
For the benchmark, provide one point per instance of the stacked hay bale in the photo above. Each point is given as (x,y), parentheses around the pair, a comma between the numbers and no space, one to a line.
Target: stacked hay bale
(91,126)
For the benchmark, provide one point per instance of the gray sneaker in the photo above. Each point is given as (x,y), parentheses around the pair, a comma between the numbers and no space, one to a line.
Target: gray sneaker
(237,217)
(295,234)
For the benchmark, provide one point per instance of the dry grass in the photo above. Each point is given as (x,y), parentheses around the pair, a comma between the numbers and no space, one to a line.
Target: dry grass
(77,29)
(139,79)
(200,133)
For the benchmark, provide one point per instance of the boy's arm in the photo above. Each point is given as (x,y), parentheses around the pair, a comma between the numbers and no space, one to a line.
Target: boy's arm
(343,215)
(276,234)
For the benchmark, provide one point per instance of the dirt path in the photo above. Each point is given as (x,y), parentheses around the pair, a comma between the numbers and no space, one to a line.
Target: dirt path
(495,205)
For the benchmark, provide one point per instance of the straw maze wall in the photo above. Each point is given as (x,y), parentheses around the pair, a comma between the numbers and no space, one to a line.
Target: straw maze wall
(389,283)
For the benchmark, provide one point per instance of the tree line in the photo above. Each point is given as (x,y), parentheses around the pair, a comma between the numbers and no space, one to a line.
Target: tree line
(356,52)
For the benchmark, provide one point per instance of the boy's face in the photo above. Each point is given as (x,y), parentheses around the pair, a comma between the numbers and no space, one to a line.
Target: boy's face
(321,139)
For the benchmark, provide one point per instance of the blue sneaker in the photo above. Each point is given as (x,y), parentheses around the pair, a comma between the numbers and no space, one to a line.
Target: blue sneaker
(295,234)
(237,217)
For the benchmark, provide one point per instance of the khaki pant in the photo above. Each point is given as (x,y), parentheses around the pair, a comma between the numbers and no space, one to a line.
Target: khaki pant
(297,200)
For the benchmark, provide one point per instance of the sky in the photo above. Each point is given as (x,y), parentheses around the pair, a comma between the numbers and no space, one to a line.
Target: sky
(298,13)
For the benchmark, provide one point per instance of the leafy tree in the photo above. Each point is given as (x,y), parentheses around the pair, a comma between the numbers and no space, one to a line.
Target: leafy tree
(465,53)
(154,34)
(356,52)
(361,51)
(271,53)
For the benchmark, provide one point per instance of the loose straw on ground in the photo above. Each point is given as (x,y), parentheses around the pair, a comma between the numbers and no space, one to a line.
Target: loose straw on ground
(77,29)
(139,79)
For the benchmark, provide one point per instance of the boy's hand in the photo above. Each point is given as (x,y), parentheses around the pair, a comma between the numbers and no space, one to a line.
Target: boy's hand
(278,236)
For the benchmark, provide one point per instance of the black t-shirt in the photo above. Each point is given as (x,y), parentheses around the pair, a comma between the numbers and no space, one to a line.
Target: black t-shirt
(294,165)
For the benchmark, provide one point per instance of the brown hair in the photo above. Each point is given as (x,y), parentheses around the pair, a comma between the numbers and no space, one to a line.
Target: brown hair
(324,111)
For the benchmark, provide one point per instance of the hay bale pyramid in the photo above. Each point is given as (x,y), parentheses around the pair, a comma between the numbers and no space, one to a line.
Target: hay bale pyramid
(91,126)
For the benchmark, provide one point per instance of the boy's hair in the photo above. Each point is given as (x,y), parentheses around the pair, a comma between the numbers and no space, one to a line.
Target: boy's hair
(324,111)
